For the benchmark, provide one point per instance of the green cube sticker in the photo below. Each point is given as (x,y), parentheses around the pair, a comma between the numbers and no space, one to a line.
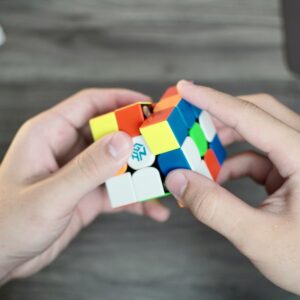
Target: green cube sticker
(198,137)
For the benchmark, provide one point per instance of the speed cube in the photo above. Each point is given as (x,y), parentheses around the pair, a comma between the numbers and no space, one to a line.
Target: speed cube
(171,134)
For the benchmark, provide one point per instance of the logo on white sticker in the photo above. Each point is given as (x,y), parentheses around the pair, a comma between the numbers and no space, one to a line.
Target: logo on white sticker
(141,156)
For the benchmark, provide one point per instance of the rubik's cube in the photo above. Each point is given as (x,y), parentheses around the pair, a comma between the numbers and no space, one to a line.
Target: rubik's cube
(171,134)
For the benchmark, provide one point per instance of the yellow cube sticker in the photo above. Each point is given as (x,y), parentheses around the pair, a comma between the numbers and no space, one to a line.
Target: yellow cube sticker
(103,125)
(160,138)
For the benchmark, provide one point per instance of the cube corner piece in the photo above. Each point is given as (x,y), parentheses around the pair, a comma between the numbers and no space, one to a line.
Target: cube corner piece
(120,190)
(147,184)
(164,131)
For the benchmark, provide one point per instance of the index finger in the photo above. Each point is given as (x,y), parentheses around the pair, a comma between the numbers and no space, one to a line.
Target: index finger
(81,107)
(279,141)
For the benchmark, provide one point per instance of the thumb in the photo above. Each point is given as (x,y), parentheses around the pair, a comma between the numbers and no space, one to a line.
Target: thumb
(88,170)
(215,206)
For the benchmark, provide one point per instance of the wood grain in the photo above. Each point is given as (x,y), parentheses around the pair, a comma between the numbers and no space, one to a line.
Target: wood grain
(57,47)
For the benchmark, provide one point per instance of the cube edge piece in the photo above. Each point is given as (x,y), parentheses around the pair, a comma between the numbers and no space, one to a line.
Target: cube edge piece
(97,128)
(207,126)
(147,183)
(212,163)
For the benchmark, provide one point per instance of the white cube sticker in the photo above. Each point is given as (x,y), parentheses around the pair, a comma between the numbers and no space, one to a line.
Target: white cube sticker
(120,190)
(141,156)
(207,125)
(203,170)
(147,184)
(191,153)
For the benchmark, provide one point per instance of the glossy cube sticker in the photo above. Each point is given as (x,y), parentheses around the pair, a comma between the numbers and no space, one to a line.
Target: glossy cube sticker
(168,135)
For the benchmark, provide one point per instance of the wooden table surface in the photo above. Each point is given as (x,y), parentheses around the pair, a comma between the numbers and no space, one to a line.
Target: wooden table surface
(57,47)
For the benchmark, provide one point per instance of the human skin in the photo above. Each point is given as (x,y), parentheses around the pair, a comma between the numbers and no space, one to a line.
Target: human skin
(268,235)
(51,180)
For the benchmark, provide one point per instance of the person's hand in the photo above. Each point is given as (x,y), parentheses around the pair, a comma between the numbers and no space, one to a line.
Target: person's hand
(50,180)
(270,234)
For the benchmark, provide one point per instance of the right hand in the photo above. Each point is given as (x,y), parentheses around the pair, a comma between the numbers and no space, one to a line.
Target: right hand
(270,234)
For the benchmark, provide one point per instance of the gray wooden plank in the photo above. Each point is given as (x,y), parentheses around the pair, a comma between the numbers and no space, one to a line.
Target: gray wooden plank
(154,40)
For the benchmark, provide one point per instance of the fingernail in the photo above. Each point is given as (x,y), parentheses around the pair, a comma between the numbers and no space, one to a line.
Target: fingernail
(186,82)
(176,183)
(119,145)
(180,203)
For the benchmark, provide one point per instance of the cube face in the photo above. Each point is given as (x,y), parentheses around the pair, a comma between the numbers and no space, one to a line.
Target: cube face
(174,134)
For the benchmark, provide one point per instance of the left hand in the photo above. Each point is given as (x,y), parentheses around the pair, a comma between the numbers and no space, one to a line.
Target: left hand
(50,181)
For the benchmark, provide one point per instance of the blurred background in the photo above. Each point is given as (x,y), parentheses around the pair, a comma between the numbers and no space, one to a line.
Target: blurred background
(57,47)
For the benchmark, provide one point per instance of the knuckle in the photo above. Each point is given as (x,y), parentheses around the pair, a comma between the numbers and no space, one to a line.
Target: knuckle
(245,109)
(266,97)
(251,154)
(30,126)
(208,89)
(259,99)
(89,92)
(248,106)
(265,100)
